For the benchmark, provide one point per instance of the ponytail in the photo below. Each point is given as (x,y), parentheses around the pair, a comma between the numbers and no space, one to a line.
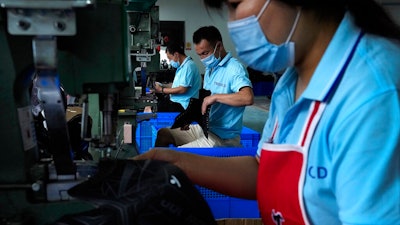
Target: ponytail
(372,18)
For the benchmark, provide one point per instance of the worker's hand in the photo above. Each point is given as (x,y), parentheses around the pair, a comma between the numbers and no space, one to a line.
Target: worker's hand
(157,87)
(163,154)
(185,127)
(209,100)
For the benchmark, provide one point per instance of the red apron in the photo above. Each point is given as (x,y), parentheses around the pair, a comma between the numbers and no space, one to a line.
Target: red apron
(281,177)
(282,167)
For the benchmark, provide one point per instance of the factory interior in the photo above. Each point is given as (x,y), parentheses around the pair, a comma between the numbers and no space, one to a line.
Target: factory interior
(94,62)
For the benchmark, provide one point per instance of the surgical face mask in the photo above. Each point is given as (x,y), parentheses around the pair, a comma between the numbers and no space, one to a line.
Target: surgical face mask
(211,61)
(174,63)
(255,50)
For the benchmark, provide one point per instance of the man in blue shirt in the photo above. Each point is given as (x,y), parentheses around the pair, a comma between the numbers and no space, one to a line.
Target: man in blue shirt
(231,90)
(187,80)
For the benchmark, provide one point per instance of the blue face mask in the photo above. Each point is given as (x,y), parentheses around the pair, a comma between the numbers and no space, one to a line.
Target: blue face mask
(211,61)
(174,63)
(255,50)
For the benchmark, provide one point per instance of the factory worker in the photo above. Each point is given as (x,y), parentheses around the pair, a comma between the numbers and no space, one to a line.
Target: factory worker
(186,83)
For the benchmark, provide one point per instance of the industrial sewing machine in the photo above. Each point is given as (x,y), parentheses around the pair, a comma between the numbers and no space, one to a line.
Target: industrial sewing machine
(92,48)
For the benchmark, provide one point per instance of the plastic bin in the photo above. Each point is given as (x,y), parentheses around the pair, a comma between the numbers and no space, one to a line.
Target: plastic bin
(145,137)
(223,206)
(164,119)
(146,131)
(263,88)
(233,208)
(249,138)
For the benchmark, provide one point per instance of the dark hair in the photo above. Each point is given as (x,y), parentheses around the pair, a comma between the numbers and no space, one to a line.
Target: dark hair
(368,14)
(209,33)
(173,47)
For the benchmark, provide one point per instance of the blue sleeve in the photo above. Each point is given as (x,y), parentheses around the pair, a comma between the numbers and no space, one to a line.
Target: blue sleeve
(366,163)
(185,77)
(240,78)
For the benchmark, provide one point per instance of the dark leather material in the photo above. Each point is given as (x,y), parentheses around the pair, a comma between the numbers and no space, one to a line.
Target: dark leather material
(145,192)
(193,113)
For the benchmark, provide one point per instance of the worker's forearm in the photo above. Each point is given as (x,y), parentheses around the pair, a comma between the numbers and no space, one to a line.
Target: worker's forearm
(176,90)
(242,98)
(235,176)
(234,99)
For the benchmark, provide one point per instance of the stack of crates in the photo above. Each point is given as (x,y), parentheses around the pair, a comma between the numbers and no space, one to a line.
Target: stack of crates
(146,131)
(222,206)
(145,136)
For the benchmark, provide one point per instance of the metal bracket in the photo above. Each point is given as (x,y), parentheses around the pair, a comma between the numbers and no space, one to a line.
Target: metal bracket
(46,4)
(43,17)
(60,22)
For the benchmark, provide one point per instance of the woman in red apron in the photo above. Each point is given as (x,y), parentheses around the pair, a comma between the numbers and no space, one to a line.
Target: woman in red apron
(272,35)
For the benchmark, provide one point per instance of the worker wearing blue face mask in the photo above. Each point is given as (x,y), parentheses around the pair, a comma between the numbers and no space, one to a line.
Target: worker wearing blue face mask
(330,149)
(211,61)
(187,80)
(231,90)
(256,50)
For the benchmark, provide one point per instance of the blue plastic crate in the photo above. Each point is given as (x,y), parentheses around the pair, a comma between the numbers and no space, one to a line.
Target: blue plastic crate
(243,208)
(145,128)
(263,88)
(146,141)
(249,138)
(164,119)
(220,208)
(233,208)
(223,206)
(146,131)
(218,152)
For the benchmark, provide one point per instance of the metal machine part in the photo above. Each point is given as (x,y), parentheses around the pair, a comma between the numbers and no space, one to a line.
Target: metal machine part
(27,185)
(52,103)
(144,40)
(39,22)
(46,4)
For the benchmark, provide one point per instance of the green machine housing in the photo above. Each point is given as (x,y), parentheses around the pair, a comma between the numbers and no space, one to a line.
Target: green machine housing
(113,39)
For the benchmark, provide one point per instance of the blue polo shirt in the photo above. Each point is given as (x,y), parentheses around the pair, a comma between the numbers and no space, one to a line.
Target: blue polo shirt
(353,167)
(228,77)
(186,75)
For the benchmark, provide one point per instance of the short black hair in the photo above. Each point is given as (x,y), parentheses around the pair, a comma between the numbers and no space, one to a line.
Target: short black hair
(209,33)
(173,47)
(214,3)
